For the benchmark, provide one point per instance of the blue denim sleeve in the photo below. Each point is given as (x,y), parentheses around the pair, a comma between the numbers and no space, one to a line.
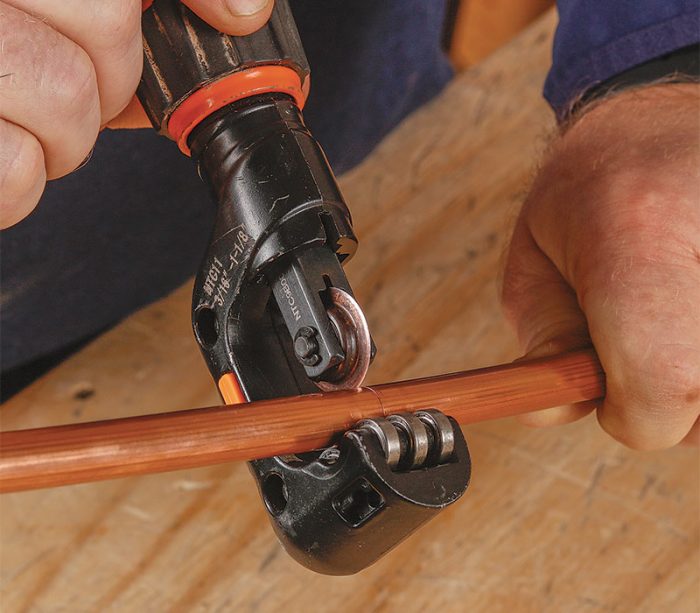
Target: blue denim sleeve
(598,39)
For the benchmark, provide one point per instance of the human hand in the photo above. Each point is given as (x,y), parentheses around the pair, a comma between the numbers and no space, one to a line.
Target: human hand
(607,249)
(69,68)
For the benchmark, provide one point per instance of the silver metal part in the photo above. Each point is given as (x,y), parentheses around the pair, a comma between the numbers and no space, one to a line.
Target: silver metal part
(388,437)
(353,333)
(417,436)
(413,440)
(444,433)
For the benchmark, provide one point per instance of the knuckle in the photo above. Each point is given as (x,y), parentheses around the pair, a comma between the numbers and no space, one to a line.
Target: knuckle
(668,376)
(76,101)
(18,61)
(650,436)
(43,64)
(117,49)
(631,440)
(22,173)
(658,397)
(70,84)
(115,24)
(52,91)
(81,82)
(679,376)
(21,163)
(633,428)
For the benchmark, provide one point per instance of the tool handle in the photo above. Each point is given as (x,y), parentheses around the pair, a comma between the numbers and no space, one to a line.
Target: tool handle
(76,453)
(191,70)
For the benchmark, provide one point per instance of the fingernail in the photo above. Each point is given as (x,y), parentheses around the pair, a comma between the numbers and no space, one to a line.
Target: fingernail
(243,8)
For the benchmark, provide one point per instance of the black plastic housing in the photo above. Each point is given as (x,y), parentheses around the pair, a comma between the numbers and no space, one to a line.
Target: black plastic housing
(280,211)
(337,517)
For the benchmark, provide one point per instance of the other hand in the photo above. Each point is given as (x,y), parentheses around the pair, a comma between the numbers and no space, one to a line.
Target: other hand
(607,250)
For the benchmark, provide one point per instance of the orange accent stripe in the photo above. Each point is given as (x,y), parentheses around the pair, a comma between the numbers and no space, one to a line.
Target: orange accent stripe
(146,4)
(230,389)
(236,86)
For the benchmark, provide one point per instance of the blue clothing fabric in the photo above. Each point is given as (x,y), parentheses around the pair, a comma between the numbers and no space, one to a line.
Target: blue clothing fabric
(598,39)
(132,224)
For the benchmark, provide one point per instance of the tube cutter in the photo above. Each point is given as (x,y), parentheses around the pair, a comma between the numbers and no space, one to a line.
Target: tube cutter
(272,310)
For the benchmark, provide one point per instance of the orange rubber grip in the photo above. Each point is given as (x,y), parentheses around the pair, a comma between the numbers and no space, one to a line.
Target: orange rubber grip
(236,86)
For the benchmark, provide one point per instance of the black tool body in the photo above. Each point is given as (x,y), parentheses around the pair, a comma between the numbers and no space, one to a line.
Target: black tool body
(282,227)
(270,303)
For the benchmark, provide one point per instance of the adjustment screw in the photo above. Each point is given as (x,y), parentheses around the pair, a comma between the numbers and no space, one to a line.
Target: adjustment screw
(306,346)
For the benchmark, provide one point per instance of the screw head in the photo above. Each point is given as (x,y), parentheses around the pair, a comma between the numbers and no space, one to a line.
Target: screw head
(306,346)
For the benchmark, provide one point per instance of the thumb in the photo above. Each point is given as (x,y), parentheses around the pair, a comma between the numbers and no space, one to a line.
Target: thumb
(545,313)
(236,17)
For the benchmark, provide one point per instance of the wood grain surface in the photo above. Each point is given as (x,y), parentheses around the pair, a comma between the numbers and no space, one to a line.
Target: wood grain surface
(555,520)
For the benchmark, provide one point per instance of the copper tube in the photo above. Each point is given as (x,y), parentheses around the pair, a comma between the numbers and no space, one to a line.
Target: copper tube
(60,455)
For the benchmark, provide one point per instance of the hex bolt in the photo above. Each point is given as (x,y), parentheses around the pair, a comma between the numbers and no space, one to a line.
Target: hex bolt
(306,346)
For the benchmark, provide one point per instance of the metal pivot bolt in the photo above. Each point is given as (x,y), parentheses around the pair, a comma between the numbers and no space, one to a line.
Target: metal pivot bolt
(306,346)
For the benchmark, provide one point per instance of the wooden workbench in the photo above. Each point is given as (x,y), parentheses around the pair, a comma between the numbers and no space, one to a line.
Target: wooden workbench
(555,520)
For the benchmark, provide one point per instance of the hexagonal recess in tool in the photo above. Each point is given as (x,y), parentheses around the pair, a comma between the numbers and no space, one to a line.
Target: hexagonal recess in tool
(358,503)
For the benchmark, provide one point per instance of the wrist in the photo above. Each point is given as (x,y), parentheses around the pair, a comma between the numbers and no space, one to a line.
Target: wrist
(672,93)
(679,66)
(655,124)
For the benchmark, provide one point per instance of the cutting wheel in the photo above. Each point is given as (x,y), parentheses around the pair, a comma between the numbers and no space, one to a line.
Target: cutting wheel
(353,332)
